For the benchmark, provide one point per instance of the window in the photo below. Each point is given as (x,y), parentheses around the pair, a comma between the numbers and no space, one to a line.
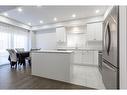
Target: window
(11,37)
(5,39)
(20,39)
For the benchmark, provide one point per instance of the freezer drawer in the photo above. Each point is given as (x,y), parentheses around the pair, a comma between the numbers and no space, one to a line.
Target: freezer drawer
(109,75)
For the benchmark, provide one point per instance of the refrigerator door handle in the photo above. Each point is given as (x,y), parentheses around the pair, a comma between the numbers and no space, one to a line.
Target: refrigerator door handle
(107,38)
(104,63)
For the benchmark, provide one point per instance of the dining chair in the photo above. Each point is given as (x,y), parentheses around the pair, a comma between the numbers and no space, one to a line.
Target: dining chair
(13,57)
(19,49)
(29,58)
(22,56)
(35,49)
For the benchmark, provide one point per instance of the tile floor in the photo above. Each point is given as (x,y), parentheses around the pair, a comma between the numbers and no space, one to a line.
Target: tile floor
(88,76)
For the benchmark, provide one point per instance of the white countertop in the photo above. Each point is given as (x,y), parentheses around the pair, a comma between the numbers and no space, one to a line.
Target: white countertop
(53,51)
(81,49)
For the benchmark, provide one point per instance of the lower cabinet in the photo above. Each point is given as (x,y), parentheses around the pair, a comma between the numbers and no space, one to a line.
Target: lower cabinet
(77,57)
(86,57)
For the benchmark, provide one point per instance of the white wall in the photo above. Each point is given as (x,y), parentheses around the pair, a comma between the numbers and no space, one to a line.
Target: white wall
(76,40)
(46,39)
(76,36)
(32,40)
(123,47)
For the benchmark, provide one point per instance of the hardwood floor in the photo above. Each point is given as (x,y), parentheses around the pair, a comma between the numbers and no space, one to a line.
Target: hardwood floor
(21,78)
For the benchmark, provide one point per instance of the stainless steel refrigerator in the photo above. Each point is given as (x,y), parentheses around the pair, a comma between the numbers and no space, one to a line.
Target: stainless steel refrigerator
(110,53)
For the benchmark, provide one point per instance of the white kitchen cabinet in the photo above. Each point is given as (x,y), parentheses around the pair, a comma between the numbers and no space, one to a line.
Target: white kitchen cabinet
(52,64)
(86,58)
(61,34)
(94,31)
(95,58)
(77,57)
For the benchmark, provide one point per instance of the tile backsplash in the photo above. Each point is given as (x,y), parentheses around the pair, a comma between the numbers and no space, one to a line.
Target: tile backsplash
(79,40)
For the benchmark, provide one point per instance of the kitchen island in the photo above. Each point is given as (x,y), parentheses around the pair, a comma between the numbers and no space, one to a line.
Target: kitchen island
(85,56)
(52,64)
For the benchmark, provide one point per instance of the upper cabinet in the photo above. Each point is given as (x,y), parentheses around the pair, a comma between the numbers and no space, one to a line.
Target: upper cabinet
(61,34)
(94,31)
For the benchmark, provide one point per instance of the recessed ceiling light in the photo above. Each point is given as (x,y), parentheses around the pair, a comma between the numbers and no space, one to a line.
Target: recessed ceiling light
(55,19)
(41,21)
(29,23)
(20,9)
(5,14)
(74,15)
(97,11)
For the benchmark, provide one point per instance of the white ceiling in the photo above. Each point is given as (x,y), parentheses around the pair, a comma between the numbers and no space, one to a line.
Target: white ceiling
(34,14)
(6,8)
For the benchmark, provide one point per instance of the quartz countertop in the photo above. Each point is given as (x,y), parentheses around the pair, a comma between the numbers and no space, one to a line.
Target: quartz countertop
(53,51)
(82,49)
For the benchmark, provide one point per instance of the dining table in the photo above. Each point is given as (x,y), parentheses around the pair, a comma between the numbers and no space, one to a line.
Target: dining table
(22,56)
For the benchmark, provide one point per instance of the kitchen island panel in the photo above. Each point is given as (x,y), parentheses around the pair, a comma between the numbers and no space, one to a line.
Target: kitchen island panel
(57,66)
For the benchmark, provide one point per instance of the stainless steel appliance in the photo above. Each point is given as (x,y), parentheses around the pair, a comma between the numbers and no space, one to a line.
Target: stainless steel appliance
(100,60)
(110,54)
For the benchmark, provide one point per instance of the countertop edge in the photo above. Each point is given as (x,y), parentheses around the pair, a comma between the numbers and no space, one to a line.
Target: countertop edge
(64,52)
